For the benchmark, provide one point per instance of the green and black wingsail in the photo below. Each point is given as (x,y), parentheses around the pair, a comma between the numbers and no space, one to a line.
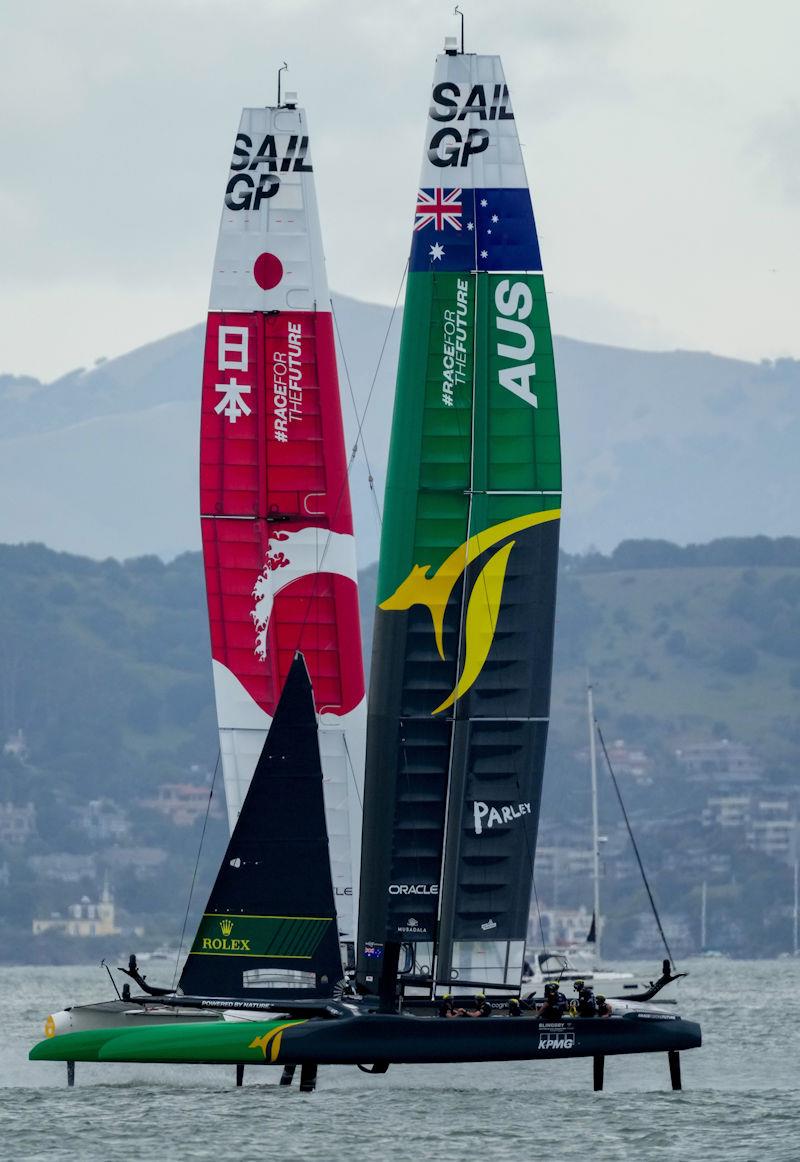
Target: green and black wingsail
(268,930)
(462,655)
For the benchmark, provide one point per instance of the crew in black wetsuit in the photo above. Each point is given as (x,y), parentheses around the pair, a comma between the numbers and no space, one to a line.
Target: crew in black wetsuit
(514,1007)
(603,1007)
(577,985)
(481,1008)
(446,1006)
(554,1003)
(587,1006)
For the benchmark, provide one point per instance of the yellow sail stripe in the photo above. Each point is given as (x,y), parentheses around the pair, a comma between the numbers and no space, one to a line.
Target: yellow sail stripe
(484,603)
(481,621)
(434,592)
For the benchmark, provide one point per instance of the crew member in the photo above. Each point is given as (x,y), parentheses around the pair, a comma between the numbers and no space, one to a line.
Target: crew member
(603,1007)
(587,1006)
(481,1007)
(514,1007)
(446,1006)
(554,1003)
(572,1007)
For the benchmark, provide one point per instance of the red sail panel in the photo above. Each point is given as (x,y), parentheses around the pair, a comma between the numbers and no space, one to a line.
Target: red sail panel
(272,448)
(267,599)
(271,438)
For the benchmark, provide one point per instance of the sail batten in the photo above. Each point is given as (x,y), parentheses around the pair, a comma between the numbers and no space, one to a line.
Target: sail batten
(462,653)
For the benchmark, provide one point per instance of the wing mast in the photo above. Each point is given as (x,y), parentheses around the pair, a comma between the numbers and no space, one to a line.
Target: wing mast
(462,655)
(275,506)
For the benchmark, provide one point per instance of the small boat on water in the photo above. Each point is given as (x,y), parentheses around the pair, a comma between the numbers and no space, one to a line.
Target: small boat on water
(460,689)
(164,954)
(569,962)
(569,965)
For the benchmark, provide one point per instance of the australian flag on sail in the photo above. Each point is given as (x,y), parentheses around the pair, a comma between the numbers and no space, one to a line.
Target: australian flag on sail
(469,229)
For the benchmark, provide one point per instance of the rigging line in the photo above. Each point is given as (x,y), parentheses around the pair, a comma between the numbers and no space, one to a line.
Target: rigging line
(359,436)
(352,769)
(196,865)
(364,451)
(448,856)
(362,420)
(531,849)
(539,914)
(633,843)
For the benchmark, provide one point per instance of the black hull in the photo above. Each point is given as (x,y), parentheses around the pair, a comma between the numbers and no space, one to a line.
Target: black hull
(405,1040)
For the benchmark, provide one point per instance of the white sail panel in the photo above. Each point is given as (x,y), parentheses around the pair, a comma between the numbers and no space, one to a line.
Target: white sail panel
(471,138)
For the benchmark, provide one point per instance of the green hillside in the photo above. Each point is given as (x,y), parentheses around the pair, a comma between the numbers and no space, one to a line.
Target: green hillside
(696,652)
(105,694)
(105,668)
(105,664)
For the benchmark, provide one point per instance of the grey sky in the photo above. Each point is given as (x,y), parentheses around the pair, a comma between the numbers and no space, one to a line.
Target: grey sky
(662,146)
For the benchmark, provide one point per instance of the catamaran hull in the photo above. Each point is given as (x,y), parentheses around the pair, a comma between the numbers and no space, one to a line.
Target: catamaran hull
(110,1015)
(374,1038)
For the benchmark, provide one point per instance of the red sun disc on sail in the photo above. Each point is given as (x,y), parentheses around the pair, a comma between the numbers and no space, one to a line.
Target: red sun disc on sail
(318,615)
(267,271)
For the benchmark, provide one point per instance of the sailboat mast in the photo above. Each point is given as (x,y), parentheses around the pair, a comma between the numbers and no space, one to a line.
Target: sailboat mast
(595,824)
(462,653)
(703,902)
(796,915)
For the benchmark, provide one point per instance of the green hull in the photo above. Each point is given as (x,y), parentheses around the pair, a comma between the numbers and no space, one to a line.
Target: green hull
(225,1042)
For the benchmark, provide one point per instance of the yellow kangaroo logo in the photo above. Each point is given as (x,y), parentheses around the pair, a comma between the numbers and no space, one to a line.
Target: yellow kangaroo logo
(271,1041)
(484,602)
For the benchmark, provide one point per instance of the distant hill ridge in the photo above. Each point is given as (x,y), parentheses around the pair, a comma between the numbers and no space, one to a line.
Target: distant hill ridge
(656,554)
(684,446)
(644,553)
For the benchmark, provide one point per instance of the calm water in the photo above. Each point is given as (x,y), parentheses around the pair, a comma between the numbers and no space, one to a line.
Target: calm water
(741,1098)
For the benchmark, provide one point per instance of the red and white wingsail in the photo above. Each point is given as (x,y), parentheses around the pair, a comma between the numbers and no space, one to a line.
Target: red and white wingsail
(278,543)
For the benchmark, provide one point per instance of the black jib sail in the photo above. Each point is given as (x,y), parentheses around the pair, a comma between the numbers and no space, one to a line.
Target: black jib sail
(462,655)
(268,930)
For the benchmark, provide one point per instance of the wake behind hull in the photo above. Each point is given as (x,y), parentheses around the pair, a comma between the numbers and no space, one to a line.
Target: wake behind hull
(373,1038)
